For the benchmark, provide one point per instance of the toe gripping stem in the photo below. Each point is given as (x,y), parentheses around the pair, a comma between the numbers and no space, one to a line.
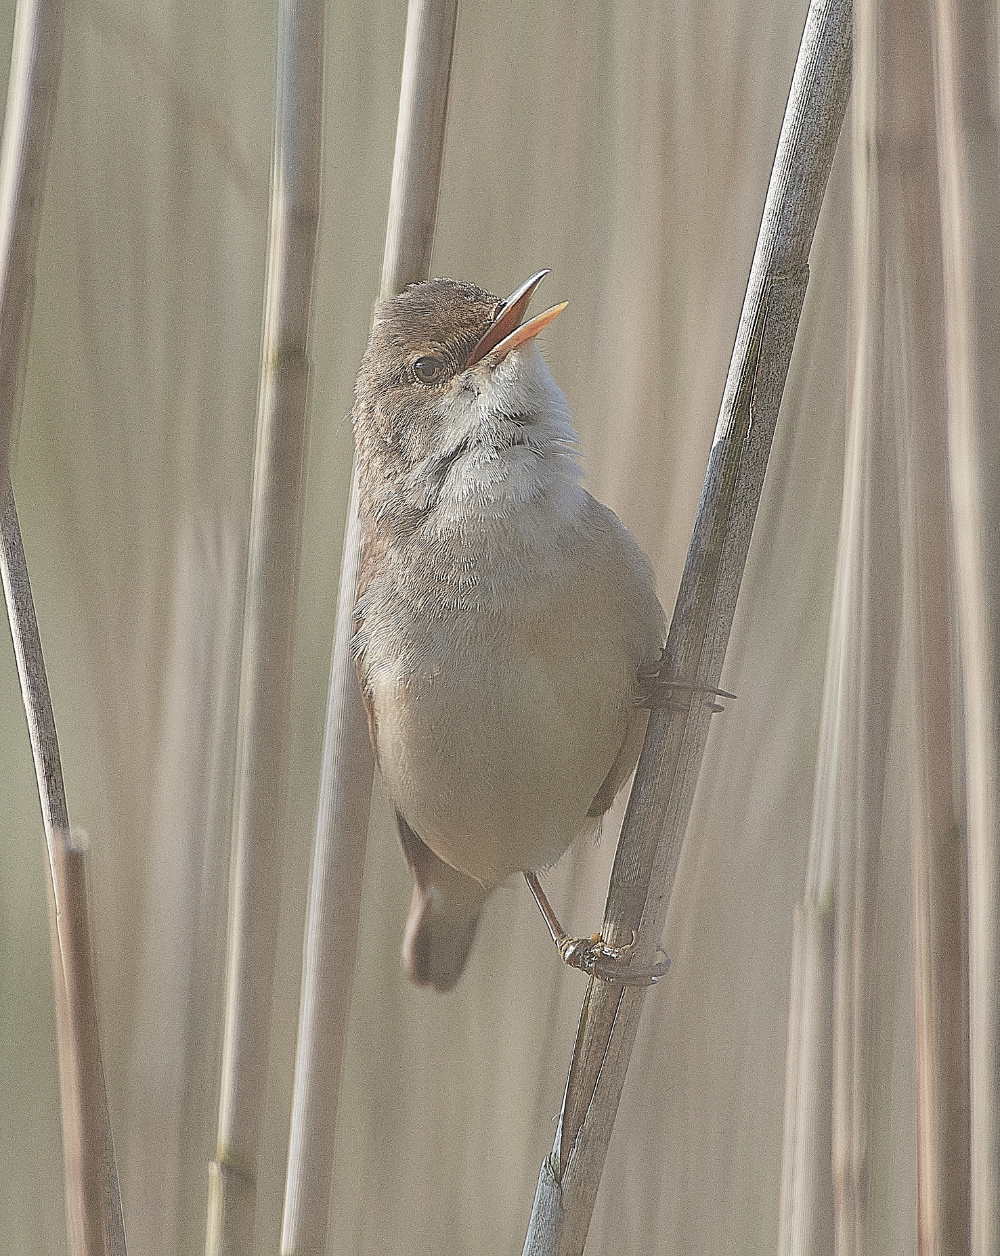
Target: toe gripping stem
(593,955)
(656,693)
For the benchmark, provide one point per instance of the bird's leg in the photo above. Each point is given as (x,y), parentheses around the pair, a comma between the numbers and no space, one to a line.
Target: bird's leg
(593,955)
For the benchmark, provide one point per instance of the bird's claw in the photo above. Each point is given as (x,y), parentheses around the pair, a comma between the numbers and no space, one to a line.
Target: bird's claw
(610,963)
(593,955)
(663,695)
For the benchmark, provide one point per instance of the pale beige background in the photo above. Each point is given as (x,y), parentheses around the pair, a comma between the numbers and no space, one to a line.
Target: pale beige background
(627,146)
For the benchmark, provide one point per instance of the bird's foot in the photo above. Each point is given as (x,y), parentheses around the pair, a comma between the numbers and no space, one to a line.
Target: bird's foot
(611,963)
(663,695)
(593,955)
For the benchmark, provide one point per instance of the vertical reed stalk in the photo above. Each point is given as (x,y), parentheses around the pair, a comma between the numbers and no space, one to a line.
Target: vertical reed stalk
(916,363)
(275,526)
(93,1204)
(965,51)
(31,100)
(346,783)
(805,1212)
(867,615)
(657,813)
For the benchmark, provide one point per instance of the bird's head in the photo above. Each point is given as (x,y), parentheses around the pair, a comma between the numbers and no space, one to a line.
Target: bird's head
(455,408)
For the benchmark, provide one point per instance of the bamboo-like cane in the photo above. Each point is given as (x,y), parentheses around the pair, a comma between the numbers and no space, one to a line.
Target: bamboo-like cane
(665,779)
(275,527)
(867,620)
(348,765)
(93,1204)
(31,99)
(969,175)
(909,190)
(832,953)
(805,1211)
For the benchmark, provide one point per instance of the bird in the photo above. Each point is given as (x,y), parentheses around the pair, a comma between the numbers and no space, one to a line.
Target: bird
(506,622)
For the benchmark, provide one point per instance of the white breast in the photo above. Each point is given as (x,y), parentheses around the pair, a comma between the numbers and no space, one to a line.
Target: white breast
(501,642)
(496,728)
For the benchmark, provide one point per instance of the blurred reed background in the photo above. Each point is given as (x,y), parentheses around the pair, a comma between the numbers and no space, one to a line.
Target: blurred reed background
(627,146)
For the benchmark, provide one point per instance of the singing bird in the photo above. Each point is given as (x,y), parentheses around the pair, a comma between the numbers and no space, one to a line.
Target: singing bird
(505,619)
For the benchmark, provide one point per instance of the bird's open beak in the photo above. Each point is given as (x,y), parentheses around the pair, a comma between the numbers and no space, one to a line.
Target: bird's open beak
(506,331)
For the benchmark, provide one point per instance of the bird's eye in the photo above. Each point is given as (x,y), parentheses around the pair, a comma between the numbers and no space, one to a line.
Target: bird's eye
(428,370)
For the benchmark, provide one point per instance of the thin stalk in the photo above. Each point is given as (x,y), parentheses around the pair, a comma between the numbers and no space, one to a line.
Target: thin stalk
(909,186)
(93,1202)
(35,58)
(420,134)
(275,527)
(969,173)
(657,813)
(867,600)
(805,1213)
(348,765)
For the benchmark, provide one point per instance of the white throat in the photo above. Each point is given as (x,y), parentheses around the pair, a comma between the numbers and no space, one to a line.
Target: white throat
(505,440)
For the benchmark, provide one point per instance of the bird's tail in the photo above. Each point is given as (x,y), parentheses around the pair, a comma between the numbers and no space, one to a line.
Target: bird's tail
(444,912)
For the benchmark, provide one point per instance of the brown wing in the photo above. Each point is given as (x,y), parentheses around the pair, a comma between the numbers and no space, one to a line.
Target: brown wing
(366,698)
(625,761)
(372,552)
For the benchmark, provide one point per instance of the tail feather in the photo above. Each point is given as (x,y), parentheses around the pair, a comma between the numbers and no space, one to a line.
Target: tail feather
(436,943)
(444,912)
